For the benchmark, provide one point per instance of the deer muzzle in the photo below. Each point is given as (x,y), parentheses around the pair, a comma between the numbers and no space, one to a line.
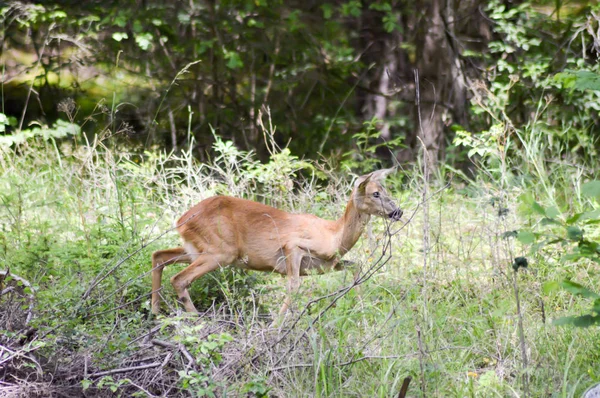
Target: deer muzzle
(396,214)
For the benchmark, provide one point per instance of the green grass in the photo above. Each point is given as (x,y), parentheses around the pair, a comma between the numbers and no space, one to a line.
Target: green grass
(88,216)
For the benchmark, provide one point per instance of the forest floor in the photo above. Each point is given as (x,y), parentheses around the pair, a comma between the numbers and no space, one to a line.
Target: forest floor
(437,300)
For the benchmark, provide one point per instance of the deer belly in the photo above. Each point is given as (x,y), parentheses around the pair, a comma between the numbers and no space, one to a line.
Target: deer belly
(265,262)
(314,265)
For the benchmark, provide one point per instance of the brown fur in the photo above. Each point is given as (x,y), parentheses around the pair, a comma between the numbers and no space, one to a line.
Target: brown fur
(222,230)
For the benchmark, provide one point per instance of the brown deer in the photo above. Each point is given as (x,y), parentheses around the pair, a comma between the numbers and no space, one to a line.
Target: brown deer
(222,230)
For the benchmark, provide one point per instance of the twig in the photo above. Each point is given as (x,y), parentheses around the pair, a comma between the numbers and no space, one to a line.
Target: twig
(122,305)
(39,62)
(21,353)
(366,357)
(148,394)
(185,353)
(404,388)
(339,294)
(421,358)
(350,362)
(163,344)
(179,347)
(152,331)
(292,366)
(133,368)
(422,351)
(521,336)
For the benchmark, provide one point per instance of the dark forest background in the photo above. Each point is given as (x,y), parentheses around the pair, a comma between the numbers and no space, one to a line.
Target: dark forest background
(333,75)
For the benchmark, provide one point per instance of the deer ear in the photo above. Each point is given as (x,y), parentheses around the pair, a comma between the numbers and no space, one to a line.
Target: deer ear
(381,174)
(361,183)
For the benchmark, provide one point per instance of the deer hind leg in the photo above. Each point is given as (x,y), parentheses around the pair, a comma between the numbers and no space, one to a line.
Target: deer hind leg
(160,259)
(202,265)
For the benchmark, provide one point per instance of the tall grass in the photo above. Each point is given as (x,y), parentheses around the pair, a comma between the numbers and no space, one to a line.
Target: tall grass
(80,222)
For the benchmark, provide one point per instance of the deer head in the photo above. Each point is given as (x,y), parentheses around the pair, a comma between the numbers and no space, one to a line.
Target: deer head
(371,197)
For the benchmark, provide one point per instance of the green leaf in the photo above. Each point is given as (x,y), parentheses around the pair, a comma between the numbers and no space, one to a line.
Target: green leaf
(535,206)
(552,212)
(233,60)
(144,41)
(591,215)
(549,221)
(120,21)
(587,81)
(574,218)
(3,122)
(381,6)
(352,8)
(255,23)
(119,36)
(526,237)
(585,321)
(577,289)
(565,320)
(596,306)
(327,10)
(579,80)
(58,14)
(550,286)
(574,233)
(591,188)
(390,22)
(137,26)
(184,18)
(588,247)
(85,383)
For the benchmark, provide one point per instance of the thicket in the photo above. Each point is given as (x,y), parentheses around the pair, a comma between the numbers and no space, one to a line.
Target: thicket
(322,69)
(117,117)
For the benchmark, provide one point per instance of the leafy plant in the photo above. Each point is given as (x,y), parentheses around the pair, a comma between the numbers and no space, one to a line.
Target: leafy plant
(593,318)
(368,142)
(569,231)
(206,352)
(60,129)
(257,387)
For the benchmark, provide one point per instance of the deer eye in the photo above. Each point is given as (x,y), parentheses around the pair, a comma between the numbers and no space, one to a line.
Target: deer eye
(376,194)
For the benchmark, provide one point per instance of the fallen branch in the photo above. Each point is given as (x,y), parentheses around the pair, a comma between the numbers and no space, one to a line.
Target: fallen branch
(179,347)
(133,368)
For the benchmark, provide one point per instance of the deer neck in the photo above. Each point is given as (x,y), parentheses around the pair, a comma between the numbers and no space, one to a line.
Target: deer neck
(351,226)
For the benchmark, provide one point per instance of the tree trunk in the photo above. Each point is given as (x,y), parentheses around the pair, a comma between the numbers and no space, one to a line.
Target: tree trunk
(441,81)
(380,53)
(433,77)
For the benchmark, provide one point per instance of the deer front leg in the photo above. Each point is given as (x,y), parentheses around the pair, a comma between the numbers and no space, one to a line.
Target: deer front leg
(293,261)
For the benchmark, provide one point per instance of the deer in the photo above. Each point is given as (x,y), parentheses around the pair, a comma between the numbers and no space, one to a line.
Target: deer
(225,231)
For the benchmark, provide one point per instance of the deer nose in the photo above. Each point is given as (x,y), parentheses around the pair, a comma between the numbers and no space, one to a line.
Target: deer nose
(396,214)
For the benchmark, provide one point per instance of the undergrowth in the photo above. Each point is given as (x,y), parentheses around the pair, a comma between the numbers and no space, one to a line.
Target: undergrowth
(80,221)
